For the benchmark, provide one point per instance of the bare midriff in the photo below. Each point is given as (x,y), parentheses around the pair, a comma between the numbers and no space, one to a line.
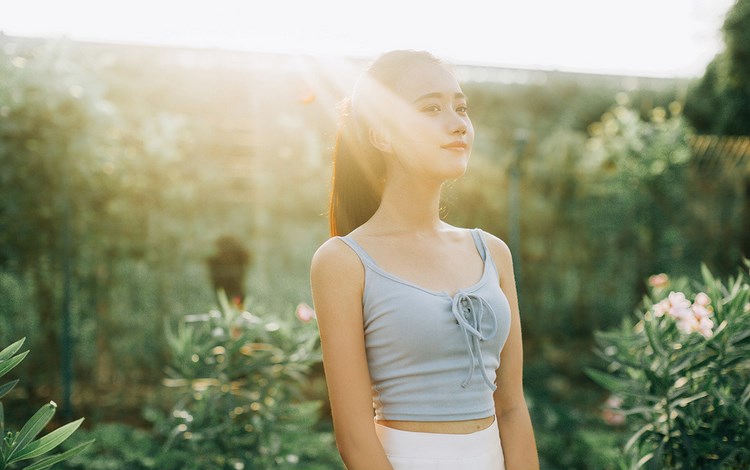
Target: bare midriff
(440,427)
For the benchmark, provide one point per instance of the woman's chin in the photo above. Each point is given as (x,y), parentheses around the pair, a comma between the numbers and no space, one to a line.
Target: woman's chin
(456,170)
(452,174)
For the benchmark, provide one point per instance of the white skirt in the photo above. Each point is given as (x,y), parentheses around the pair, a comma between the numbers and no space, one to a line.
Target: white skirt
(407,450)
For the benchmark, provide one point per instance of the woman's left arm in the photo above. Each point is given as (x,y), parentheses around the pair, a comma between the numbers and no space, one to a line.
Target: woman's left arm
(513,420)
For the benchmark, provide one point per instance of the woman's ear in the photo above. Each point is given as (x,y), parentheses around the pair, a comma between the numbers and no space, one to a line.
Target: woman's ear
(380,141)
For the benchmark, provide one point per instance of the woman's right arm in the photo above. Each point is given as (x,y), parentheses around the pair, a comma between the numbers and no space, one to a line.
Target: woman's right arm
(337,279)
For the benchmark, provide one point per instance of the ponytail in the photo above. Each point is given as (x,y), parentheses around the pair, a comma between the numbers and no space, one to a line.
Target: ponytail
(358,175)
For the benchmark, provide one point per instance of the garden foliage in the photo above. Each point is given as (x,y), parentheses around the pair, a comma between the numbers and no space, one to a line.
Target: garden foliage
(681,375)
(719,103)
(23,445)
(237,382)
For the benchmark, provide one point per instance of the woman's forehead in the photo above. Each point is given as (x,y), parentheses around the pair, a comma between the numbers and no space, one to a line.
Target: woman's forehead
(424,79)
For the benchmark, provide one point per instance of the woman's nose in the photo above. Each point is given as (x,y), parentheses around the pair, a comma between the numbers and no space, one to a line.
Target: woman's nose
(459,128)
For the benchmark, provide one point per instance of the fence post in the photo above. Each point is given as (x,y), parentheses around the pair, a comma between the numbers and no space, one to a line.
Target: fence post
(514,202)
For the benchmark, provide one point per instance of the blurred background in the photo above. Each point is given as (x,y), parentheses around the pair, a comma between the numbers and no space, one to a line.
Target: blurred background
(155,156)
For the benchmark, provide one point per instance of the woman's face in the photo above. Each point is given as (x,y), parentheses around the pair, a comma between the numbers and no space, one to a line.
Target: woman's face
(430,134)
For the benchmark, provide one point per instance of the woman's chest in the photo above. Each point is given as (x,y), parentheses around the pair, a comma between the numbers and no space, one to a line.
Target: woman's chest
(416,323)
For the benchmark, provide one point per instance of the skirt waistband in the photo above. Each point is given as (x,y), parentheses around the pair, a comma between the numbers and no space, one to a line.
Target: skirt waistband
(410,444)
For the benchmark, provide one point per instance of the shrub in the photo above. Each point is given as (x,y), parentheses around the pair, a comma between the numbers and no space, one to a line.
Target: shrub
(238,403)
(681,375)
(18,446)
(118,447)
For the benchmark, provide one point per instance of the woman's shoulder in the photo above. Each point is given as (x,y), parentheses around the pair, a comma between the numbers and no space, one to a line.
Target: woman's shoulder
(499,250)
(337,279)
(335,258)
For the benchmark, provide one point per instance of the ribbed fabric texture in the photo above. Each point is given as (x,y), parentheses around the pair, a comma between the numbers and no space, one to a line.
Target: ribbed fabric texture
(433,356)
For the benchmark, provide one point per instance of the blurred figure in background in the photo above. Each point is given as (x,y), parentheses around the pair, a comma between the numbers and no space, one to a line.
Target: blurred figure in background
(228,267)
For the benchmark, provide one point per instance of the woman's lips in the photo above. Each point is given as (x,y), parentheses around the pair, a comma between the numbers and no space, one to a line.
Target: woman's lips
(458,145)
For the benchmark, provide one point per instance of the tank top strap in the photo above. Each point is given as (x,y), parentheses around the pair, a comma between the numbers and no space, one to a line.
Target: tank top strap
(479,242)
(363,256)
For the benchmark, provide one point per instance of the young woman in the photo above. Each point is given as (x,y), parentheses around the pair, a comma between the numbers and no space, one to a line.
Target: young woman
(418,319)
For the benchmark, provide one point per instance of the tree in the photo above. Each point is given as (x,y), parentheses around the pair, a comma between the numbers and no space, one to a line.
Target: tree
(719,103)
(72,165)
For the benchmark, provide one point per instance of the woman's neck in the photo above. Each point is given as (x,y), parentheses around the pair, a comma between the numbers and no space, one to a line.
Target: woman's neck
(409,206)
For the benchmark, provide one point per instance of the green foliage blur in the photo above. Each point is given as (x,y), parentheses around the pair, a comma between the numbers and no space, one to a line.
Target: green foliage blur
(238,400)
(235,396)
(719,103)
(681,375)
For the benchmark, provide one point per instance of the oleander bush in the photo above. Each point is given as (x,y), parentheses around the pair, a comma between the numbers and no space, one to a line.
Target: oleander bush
(19,446)
(680,374)
(237,381)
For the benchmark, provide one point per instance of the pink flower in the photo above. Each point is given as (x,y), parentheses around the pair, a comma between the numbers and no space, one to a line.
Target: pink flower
(701,311)
(305,312)
(678,301)
(682,314)
(702,299)
(613,401)
(705,327)
(611,413)
(687,325)
(662,307)
(688,317)
(658,281)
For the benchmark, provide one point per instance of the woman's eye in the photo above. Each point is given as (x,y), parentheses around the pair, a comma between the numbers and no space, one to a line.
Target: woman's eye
(433,108)
(463,109)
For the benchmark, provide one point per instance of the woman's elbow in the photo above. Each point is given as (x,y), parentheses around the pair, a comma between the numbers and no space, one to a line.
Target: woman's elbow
(354,445)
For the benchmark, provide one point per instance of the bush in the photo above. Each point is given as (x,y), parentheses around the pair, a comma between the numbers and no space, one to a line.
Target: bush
(238,403)
(18,446)
(681,375)
(569,432)
(118,447)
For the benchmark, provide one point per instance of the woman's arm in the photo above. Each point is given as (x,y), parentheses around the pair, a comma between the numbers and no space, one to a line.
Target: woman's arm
(516,432)
(337,279)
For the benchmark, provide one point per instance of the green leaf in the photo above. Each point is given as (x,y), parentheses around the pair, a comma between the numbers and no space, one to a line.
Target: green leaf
(635,437)
(687,400)
(11,350)
(645,459)
(32,428)
(739,338)
(4,389)
(744,398)
(53,459)
(48,442)
(613,384)
(656,461)
(659,384)
(2,430)
(645,411)
(708,278)
(689,364)
(9,364)
(648,327)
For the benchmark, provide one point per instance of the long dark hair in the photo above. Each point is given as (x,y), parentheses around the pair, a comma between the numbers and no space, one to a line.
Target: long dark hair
(359,167)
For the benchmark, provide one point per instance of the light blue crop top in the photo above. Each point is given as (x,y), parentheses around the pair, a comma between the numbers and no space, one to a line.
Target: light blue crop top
(424,347)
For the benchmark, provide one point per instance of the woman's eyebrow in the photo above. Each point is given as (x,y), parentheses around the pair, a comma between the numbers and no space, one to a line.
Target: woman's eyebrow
(439,95)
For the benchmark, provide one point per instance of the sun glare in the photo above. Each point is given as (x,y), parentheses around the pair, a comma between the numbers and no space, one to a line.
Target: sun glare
(667,38)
